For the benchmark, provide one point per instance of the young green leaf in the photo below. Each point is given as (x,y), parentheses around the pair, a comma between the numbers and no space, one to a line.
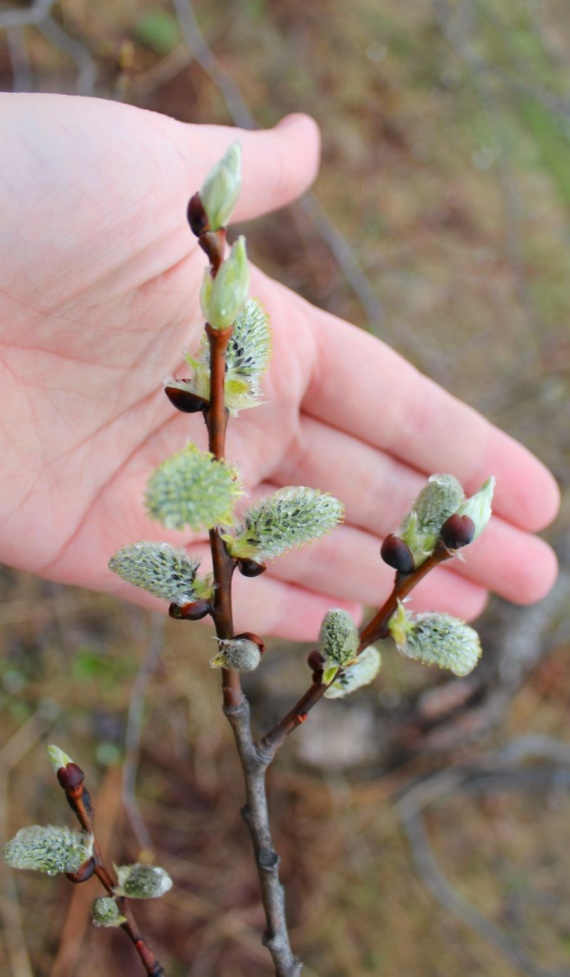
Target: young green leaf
(224,297)
(221,188)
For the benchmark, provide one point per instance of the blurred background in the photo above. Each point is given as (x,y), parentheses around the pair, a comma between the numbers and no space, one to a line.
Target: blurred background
(424,829)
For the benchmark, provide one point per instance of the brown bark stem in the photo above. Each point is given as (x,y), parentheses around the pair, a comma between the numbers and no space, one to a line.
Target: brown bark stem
(216,418)
(254,764)
(80,802)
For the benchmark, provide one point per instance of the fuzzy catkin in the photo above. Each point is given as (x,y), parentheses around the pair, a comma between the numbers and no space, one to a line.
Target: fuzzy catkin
(192,489)
(158,568)
(50,849)
(288,518)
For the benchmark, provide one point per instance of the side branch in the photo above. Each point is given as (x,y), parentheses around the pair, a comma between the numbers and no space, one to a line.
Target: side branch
(377,627)
(375,630)
(71,779)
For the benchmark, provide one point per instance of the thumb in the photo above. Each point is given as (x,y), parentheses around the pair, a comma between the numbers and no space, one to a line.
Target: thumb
(278,164)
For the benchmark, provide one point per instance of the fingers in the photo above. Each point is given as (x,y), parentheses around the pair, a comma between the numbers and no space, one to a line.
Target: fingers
(360,386)
(378,490)
(278,164)
(263,605)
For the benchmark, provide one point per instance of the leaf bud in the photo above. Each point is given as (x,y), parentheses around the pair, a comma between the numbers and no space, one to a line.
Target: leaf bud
(57,757)
(224,297)
(240,653)
(141,881)
(220,190)
(397,554)
(457,531)
(478,506)
(70,776)
(105,912)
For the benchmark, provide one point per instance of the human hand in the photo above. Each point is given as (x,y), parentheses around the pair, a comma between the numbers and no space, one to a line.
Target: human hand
(99,284)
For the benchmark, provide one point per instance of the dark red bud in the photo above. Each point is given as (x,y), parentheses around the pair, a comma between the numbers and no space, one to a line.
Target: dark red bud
(249,636)
(190,612)
(457,531)
(70,777)
(250,568)
(185,400)
(315,660)
(197,216)
(84,872)
(397,554)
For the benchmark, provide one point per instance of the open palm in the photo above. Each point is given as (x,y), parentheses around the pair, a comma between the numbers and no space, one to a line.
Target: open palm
(99,278)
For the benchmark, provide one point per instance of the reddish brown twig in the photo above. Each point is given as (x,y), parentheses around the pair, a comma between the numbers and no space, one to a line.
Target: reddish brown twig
(375,630)
(71,779)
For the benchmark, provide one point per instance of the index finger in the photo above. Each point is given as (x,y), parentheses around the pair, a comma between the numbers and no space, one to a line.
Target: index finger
(362,387)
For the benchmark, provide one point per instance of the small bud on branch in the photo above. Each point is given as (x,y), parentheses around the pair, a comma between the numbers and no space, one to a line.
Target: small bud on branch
(242,653)
(220,191)
(105,912)
(182,396)
(457,531)
(247,357)
(142,881)
(397,554)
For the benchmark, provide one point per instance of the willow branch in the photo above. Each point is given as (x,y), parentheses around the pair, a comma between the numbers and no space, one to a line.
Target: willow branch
(71,780)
